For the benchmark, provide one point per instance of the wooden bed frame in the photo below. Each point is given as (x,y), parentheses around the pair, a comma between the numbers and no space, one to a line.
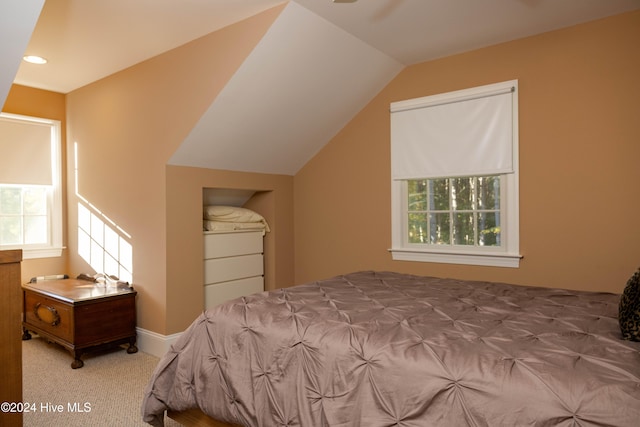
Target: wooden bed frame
(197,418)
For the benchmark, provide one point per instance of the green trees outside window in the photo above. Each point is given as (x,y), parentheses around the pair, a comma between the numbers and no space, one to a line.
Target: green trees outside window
(454,211)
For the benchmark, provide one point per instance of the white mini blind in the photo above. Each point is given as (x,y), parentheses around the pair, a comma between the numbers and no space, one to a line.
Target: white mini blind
(26,152)
(462,133)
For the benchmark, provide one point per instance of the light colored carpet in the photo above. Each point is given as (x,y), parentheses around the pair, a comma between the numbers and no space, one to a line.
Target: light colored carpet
(106,391)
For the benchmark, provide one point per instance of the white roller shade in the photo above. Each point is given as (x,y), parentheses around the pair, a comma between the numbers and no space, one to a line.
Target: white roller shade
(26,152)
(463,133)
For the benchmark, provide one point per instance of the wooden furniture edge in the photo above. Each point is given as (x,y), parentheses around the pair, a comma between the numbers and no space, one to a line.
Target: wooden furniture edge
(10,342)
(10,256)
(196,418)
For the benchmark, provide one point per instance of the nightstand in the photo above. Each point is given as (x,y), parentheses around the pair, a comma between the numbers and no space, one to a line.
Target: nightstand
(79,315)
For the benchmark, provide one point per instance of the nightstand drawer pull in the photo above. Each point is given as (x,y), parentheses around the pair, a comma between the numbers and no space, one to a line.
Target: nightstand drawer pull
(46,314)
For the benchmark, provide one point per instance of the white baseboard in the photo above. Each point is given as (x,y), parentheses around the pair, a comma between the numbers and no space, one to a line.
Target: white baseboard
(153,343)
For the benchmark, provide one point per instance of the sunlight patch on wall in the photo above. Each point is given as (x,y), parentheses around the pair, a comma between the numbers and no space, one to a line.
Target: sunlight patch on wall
(102,247)
(101,242)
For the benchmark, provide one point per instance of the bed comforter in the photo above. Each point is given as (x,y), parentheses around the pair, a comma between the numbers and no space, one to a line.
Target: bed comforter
(385,349)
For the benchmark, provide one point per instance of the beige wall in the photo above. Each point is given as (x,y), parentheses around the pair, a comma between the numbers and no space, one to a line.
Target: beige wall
(126,128)
(579,153)
(49,105)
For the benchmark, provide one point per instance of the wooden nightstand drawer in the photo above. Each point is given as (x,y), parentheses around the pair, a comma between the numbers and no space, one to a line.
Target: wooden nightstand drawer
(50,315)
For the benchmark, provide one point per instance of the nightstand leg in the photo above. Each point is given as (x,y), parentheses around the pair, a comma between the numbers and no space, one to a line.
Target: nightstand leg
(77,363)
(132,346)
(25,335)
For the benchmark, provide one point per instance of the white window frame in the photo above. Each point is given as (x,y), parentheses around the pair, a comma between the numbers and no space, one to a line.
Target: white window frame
(53,247)
(507,255)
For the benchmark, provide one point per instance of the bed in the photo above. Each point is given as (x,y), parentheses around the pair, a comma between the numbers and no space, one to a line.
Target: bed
(385,349)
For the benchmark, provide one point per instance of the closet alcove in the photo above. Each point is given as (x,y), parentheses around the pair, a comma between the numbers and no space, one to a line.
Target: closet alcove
(234,231)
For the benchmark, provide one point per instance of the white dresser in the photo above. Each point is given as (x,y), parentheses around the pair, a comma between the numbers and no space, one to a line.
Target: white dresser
(233,265)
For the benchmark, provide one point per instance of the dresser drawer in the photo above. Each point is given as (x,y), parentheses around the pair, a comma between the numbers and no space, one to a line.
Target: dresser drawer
(218,245)
(233,268)
(49,315)
(225,291)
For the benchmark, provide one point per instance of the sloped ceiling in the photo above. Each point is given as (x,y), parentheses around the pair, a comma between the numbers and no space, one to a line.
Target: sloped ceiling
(301,84)
(17,21)
(318,65)
(87,40)
(413,31)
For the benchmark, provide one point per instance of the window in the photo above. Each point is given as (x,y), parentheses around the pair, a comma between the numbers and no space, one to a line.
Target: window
(454,211)
(455,177)
(30,186)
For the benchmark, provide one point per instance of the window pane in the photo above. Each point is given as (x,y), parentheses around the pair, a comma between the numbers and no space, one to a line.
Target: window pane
(35,201)
(489,229)
(439,194)
(462,194)
(11,230)
(418,228)
(464,233)
(417,195)
(439,229)
(489,192)
(10,200)
(35,229)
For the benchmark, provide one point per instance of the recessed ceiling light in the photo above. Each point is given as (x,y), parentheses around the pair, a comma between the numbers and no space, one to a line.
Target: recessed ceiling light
(33,59)
(344,1)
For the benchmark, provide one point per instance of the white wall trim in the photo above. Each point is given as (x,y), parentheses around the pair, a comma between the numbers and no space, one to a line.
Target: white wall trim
(153,343)
(495,259)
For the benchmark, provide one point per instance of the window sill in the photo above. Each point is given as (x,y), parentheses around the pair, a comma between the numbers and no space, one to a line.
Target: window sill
(493,259)
(31,253)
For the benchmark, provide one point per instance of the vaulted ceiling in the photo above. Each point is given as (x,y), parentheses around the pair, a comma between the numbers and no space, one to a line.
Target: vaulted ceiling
(316,67)
(300,85)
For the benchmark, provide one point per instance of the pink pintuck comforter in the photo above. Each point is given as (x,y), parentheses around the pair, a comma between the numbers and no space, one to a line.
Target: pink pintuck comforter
(386,349)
